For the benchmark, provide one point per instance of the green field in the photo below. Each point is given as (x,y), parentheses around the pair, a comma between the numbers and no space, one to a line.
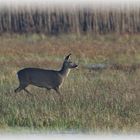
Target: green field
(102,101)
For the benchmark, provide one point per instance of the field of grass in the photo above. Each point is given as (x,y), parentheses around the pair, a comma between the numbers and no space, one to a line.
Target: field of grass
(102,101)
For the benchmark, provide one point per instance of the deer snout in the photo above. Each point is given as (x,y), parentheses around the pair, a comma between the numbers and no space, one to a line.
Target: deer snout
(74,66)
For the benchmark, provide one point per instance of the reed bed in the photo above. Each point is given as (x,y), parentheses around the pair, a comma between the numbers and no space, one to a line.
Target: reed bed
(54,21)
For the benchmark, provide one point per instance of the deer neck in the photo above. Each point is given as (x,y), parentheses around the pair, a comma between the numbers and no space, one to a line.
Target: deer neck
(64,71)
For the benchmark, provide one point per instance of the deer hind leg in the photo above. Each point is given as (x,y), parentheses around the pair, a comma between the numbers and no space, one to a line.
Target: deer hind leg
(27,91)
(18,89)
(22,86)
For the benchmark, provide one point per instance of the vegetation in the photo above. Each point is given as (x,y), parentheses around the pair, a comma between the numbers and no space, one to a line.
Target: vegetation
(105,101)
(56,21)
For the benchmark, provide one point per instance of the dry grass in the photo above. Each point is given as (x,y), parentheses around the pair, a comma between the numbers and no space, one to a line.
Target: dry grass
(106,101)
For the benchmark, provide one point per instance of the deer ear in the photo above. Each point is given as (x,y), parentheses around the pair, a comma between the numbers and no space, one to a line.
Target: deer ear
(67,57)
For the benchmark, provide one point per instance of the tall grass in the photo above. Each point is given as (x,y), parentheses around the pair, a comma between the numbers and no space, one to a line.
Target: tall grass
(56,21)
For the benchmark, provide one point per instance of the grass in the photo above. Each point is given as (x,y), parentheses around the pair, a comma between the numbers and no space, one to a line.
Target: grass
(106,101)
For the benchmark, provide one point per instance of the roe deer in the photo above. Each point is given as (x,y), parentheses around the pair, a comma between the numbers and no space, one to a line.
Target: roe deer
(49,79)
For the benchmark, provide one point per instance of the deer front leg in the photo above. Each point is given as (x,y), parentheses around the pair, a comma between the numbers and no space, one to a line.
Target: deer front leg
(57,91)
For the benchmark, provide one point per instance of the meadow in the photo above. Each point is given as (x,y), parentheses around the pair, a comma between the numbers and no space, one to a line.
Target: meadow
(93,101)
